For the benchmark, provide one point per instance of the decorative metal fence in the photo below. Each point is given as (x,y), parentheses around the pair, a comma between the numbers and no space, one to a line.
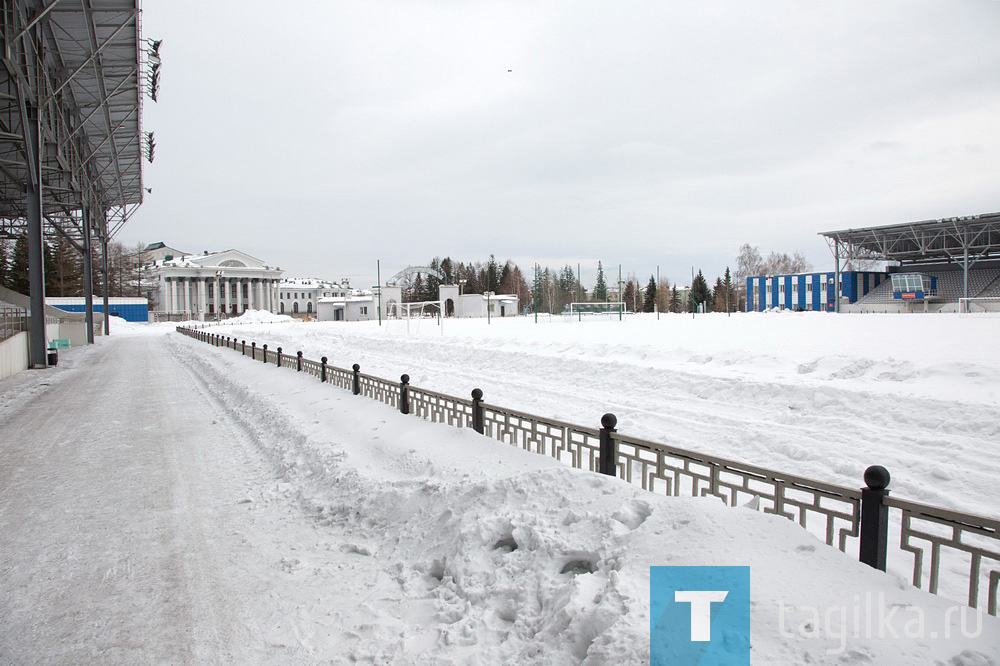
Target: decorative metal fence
(965,547)
(12,320)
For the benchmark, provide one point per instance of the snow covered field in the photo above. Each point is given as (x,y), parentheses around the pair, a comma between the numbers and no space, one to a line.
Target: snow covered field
(804,393)
(316,526)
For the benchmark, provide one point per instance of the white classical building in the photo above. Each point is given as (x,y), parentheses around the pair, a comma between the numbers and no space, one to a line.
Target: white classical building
(351,307)
(363,306)
(301,296)
(214,284)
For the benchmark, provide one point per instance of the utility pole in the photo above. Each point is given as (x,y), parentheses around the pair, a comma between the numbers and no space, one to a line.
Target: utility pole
(691,295)
(579,294)
(620,283)
(656,294)
(534,295)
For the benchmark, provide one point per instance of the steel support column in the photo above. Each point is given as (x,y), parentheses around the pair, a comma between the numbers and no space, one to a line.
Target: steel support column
(106,284)
(965,269)
(88,274)
(836,279)
(36,248)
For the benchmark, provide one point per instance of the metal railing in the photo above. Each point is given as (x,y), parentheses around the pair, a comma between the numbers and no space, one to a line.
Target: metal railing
(841,516)
(12,320)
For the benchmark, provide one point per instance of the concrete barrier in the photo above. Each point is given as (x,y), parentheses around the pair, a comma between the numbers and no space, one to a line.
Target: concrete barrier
(13,355)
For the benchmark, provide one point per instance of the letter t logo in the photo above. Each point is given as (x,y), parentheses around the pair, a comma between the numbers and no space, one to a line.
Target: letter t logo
(701,610)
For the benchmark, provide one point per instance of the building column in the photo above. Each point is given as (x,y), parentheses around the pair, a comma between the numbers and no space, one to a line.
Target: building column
(225,295)
(252,293)
(202,297)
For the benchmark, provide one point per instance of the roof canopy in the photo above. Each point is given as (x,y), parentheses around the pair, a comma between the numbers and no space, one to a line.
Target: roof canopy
(79,63)
(927,242)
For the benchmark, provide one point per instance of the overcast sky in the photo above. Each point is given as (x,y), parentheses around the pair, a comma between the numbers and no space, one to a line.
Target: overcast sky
(320,136)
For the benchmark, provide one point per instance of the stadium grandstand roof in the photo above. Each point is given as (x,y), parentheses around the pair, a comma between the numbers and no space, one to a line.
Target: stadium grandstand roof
(80,64)
(927,242)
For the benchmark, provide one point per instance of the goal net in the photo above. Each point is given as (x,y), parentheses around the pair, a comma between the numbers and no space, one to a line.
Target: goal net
(978,306)
(581,310)
(420,309)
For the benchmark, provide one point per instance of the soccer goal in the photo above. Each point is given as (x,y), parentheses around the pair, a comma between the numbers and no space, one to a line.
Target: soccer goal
(590,310)
(988,305)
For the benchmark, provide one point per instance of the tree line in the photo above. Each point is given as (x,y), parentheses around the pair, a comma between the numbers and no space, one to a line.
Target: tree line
(63,268)
(552,290)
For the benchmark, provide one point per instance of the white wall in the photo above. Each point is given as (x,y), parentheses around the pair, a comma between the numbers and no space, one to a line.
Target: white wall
(13,355)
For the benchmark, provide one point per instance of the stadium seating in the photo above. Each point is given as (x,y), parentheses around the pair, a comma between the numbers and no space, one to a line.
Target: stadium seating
(984,282)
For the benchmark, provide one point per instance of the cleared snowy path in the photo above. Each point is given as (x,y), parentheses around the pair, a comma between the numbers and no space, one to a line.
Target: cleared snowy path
(126,530)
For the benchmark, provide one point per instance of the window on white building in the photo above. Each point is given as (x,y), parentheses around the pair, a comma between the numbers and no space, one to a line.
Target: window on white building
(364,309)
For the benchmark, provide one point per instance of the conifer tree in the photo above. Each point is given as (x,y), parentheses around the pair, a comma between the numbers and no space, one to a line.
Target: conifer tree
(719,296)
(600,293)
(629,294)
(649,296)
(4,264)
(675,300)
(700,293)
(19,280)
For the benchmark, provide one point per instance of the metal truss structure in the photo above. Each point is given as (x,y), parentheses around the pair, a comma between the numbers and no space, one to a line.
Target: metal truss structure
(414,270)
(961,240)
(71,140)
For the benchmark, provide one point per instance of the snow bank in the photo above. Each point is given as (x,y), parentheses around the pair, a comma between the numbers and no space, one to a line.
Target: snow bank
(489,554)
(259,317)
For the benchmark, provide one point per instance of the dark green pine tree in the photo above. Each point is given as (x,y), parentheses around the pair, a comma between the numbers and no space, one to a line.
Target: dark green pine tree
(51,277)
(628,296)
(431,284)
(4,265)
(19,280)
(504,277)
(448,269)
(649,296)
(600,286)
(675,300)
(719,296)
(700,294)
(492,275)
(416,289)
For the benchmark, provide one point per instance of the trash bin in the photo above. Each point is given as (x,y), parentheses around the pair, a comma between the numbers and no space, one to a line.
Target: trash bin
(53,356)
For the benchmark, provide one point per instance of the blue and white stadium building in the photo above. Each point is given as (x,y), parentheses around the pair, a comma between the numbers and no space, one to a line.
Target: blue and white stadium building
(808,291)
(945,265)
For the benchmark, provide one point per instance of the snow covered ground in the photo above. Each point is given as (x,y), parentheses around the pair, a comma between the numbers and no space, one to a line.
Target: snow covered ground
(297,523)
(804,393)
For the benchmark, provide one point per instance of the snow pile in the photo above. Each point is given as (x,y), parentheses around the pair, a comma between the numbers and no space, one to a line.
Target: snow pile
(259,317)
(483,553)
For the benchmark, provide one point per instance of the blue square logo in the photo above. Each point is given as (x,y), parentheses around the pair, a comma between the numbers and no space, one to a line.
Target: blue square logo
(699,615)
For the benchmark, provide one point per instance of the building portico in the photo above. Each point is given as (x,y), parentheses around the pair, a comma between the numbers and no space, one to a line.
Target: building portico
(219,284)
